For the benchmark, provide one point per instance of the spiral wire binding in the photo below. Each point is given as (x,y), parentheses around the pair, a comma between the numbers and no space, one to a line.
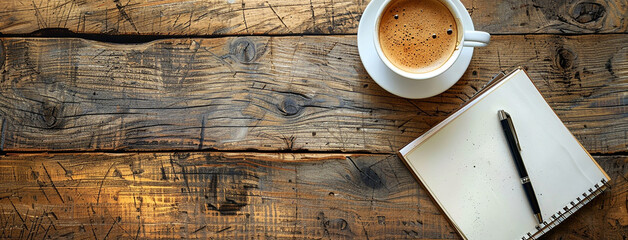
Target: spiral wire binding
(571,207)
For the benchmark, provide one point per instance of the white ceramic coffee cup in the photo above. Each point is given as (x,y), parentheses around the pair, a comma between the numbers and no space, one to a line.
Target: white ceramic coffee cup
(466,38)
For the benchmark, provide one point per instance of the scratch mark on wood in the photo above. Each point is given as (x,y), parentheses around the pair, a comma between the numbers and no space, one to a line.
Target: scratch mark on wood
(392,169)
(163,172)
(222,230)
(93,232)
(35,176)
(46,233)
(474,88)
(102,182)
(190,62)
(18,213)
(33,224)
(2,134)
(313,16)
(366,234)
(288,141)
(38,222)
(106,20)
(174,24)
(65,24)
(6,222)
(53,215)
(185,178)
(213,186)
(139,226)
(499,61)
(67,173)
(201,228)
(246,26)
(220,59)
(404,123)
(52,183)
(99,53)
(281,20)
(40,20)
(124,14)
(417,107)
(78,24)
(190,20)
(333,25)
(201,137)
(114,223)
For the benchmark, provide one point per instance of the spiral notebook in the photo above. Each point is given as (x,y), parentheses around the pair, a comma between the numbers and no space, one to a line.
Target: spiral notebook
(465,164)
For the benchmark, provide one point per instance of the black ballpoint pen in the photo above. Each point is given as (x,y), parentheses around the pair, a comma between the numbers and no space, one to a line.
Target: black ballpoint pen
(515,150)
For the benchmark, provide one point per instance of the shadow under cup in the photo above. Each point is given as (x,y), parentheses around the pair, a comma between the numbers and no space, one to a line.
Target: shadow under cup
(429,20)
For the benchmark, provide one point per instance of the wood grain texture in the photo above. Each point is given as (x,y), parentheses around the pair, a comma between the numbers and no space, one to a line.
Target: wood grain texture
(244,195)
(279,93)
(207,195)
(220,17)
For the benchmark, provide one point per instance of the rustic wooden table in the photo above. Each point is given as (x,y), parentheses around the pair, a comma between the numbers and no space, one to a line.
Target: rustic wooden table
(256,119)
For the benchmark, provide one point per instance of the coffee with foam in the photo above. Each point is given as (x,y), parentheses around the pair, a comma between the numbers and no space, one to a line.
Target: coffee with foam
(417,36)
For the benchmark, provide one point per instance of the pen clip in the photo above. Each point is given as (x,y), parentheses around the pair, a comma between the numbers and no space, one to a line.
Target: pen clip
(503,115)
(514,132)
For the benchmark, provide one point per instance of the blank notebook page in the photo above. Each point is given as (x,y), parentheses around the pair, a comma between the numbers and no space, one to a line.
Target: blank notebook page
(466,165)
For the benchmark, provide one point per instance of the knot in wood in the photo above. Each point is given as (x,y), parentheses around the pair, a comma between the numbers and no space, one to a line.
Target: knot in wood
(243,49)
(50,113)
(289,107)
(564,59)
(370,178)
(587,12)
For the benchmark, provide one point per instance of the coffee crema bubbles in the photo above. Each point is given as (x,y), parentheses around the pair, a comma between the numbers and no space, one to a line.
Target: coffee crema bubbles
(417,36)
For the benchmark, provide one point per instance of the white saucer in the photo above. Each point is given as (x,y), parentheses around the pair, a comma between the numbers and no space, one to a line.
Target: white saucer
(397,84)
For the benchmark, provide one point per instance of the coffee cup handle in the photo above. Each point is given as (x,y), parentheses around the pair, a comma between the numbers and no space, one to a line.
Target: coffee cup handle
(476,39)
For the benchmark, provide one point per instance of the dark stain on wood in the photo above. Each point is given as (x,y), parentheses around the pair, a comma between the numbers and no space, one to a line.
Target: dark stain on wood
(381,220)
(369,177)
(609,67)
(586,12)
(564,59)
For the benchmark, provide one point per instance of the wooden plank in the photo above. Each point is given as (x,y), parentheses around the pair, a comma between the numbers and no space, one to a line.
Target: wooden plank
(207,195)
(279,93)
(245,195)
(220,17)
